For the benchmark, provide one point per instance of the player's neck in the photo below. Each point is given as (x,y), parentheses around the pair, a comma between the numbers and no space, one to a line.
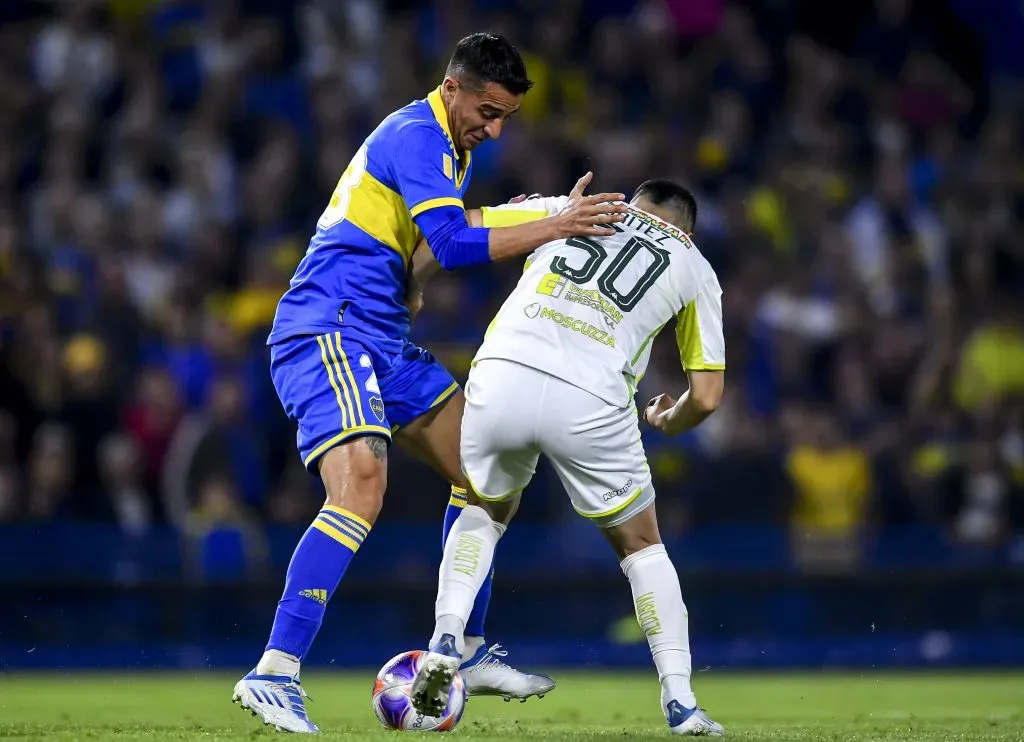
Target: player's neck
(446,102)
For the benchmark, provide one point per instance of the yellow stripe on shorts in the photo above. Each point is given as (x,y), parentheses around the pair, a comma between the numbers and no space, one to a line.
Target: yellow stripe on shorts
(334,384)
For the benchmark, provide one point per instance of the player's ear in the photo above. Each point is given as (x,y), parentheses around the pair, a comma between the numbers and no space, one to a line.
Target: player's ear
(449,85)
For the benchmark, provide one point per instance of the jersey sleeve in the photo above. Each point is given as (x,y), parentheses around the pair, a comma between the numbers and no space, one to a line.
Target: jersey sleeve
(422,168)
(532,209)
(699,330)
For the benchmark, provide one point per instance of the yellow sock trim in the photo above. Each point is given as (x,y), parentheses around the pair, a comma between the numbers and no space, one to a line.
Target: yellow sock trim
(342,538)
(348,514)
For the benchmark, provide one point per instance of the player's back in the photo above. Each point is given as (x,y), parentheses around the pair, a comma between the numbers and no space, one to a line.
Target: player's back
(355,269)
(587,309)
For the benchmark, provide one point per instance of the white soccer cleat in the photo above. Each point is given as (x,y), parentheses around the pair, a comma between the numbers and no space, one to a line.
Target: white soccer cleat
(691,722)
(433,681)
(485,674)
(278,700)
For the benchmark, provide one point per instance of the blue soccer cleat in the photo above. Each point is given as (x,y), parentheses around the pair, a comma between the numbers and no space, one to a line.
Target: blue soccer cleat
(691,722)
(486,674)
(278,700)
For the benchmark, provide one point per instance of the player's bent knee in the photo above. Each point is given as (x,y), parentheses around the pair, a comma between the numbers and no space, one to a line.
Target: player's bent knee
(635,534)
(355,475)
(501,511)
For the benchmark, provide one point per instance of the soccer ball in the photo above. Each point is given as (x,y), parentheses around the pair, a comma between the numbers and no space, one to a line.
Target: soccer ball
(393,707)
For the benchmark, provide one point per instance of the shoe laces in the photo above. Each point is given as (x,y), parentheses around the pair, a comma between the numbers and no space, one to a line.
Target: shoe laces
(493,657)
(293,691)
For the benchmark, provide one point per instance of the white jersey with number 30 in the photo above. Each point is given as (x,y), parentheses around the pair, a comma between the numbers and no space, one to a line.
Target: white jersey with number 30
(587,309)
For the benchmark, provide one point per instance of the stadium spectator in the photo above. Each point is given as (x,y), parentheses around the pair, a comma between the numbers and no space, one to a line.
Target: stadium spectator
(833,482)
(162,165)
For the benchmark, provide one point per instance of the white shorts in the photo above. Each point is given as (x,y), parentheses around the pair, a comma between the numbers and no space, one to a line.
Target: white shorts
(514,413)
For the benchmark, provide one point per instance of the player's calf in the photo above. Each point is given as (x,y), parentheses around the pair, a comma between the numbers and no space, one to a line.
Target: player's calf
(468,554)
(354,475)
(662,616)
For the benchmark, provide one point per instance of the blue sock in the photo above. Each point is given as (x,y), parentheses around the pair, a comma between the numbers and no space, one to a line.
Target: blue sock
(314,572)
(475,624)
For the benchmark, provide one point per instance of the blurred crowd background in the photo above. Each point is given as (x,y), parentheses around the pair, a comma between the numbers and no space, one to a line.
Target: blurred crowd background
(859,173)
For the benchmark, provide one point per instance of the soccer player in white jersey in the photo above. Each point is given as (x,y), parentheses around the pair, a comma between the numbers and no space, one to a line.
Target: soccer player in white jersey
(556,375)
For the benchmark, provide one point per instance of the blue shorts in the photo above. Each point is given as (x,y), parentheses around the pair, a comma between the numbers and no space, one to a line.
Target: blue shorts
(337,387)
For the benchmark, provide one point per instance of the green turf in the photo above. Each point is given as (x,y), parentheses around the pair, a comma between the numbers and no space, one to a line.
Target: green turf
(837,708)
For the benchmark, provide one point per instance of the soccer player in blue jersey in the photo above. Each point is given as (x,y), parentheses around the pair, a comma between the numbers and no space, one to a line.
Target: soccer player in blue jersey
(346,371)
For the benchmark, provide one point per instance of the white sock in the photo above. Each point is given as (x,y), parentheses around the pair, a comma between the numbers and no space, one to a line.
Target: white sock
(275,662)
(468,553)
(662,616)
(473,643)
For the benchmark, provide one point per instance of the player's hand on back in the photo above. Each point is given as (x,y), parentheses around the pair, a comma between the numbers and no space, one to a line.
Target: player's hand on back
(657,409)
(590,215)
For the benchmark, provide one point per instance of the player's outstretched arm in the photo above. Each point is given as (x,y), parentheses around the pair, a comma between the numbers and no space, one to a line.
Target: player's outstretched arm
(438,212)
(523,208)
(424,265)
(674,416)
(423,171)
(456,244)
(519,210)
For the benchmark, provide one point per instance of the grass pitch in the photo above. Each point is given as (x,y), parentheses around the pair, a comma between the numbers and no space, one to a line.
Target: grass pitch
(777,707)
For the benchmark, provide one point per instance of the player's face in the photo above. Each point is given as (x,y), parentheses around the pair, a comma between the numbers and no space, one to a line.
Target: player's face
(476,115)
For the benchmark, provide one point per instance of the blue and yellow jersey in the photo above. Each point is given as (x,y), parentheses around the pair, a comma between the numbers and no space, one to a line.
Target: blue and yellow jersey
(354,272)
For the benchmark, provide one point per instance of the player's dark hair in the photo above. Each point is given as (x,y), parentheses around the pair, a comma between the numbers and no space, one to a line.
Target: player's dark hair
(481,58)
(671,195)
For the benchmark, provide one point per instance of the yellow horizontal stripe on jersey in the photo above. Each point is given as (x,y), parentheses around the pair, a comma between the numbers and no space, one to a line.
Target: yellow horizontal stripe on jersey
(509,217)
(707,367)
(382,214)
(337,535)
(434,203)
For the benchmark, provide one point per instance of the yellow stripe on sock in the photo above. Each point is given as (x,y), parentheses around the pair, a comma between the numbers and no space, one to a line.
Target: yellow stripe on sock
(345,526)
(351,377)
(342,538)
(458,498)
(334,384)
(355,525)
(348,514)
